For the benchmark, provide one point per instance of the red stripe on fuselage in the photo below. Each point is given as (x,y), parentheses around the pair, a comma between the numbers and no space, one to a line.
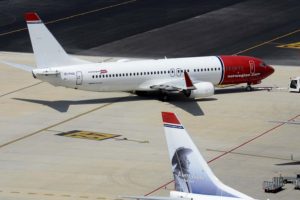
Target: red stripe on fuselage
(240,69)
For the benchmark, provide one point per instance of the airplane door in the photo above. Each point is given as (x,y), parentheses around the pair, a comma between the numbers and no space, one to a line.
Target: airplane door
(252,66)
(178,72)
(78,78)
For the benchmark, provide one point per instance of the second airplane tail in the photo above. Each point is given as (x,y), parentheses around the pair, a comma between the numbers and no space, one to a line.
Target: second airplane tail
(191,172)
(47,51)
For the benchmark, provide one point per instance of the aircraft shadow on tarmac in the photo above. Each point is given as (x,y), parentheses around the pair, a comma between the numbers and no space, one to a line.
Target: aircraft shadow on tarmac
(189,105)
(289,163)
(239,90)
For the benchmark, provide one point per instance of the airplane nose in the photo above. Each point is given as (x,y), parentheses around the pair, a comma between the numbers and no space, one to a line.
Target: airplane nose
(270,70)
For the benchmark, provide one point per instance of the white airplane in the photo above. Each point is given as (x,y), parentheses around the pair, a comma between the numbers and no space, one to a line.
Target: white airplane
(193,178)
(195,77)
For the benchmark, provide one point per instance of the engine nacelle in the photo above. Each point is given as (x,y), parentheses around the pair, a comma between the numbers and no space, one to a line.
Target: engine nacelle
(203,89)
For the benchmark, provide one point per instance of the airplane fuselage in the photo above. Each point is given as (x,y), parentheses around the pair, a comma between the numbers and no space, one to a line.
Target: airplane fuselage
(141,75)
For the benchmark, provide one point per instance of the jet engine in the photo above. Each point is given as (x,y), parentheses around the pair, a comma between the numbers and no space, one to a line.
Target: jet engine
(203,89)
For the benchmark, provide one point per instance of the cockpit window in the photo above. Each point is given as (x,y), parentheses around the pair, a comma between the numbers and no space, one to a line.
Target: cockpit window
(262,64)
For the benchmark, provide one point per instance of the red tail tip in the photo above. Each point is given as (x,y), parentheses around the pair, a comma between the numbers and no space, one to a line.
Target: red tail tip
(169,117)
(31,16)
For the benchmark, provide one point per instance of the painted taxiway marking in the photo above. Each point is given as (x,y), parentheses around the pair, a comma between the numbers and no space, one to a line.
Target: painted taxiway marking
(61,122)
(20,89)
(295,45)
(90,135)
(254,155)
(227,152)
(73,16)
(54,195)
(267,42)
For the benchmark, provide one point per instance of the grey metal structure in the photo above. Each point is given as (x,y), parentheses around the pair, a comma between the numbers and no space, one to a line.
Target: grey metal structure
(275,185)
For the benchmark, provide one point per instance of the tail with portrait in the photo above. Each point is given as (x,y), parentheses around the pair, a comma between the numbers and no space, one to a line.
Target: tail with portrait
(191,172)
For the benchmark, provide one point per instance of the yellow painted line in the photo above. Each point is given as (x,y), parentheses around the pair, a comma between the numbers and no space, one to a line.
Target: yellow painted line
(66,195)
(59,123)
(84,197)
(31,193)
(49,194)
(15,192)
(73,16)
(295,45)
(263,43)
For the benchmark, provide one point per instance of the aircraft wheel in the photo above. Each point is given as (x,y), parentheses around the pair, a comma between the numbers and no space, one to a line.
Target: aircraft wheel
(164,97)
(249,88)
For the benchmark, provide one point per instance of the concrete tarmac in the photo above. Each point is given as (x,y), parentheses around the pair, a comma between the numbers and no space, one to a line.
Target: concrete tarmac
(36,163)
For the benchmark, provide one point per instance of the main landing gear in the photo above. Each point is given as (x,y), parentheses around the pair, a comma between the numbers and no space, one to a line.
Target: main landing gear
(164,96)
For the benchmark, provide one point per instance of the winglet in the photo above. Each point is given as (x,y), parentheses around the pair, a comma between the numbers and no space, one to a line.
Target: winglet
(170,118)
(32,17)
(188,82)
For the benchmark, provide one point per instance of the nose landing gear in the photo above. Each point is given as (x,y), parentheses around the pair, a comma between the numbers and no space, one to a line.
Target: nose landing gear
(249,87)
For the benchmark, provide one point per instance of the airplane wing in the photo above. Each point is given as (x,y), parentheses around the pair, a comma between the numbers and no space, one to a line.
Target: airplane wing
(176,85)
